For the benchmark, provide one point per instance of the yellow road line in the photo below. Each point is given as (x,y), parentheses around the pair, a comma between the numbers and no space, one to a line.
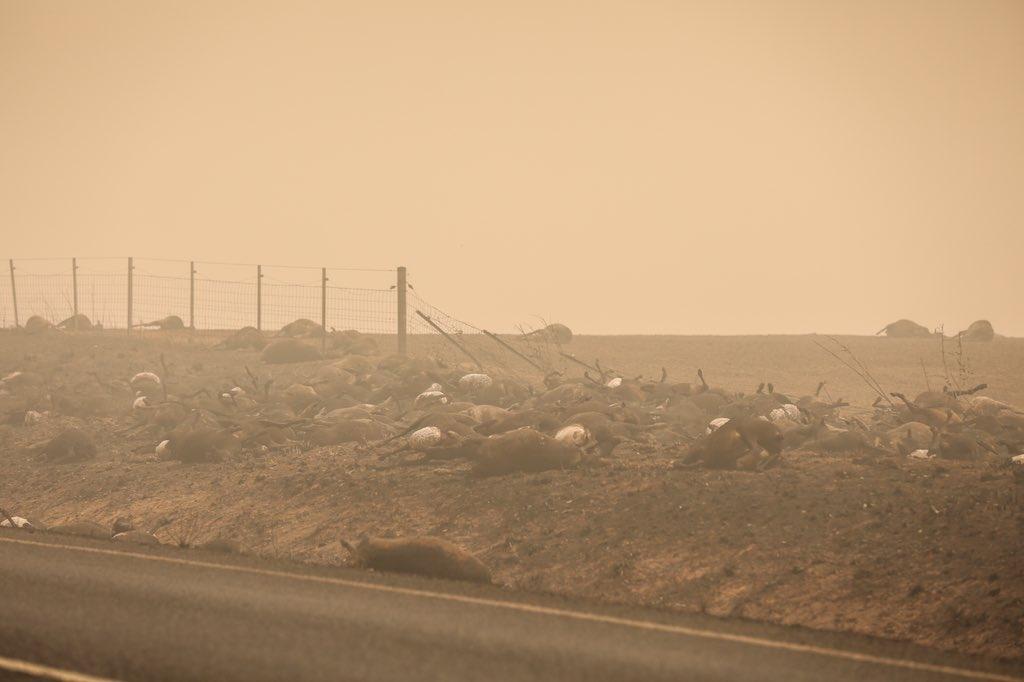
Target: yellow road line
(46,672)
(765,643)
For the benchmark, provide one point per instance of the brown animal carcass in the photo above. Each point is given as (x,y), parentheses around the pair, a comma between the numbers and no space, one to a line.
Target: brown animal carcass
(904,329)
(169,323)
(288,351)
(301,328)
(555,333)
(736,444)
(70,445)
(523,450)
(427,556)
(246,337)
(980,330)
(36,324)
(78,323)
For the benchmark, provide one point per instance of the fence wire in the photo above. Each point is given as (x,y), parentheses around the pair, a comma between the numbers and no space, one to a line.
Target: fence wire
(219,297)
(223,297)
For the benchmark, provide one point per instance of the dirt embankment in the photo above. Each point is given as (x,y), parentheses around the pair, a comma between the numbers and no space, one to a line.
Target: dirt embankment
(926,552)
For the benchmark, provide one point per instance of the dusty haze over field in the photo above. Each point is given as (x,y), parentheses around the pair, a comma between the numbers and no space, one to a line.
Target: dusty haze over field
(641,167)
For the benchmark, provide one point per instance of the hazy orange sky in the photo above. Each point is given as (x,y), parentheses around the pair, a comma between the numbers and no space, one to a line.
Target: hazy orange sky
(624,167)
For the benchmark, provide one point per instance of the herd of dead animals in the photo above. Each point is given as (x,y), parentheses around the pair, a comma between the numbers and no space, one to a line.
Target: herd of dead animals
(414,410)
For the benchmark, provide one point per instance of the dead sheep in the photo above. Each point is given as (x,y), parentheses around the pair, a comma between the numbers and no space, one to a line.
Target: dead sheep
(980,330)
(244,338)
(538,419)
(523,450)
(300,396)
(555,333)
(79,323)
(288,351)
(904,329)
(146,384)
(301,328)
(426,556)
(36,324)
(354,343)
(200,446)
(736,444)
(70,445)
(169,323)
(347,431)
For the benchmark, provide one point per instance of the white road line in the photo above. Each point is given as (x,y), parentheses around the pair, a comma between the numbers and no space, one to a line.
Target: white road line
(46,672)
(964,673)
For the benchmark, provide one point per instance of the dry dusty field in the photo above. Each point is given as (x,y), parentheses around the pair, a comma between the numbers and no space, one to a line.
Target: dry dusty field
(924,551)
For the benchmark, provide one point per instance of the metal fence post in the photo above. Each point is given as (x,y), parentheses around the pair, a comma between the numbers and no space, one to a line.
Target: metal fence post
(14,296)
(131,267)
(74,293)
(259,298)
(402,329)
(323,307)
(192,295)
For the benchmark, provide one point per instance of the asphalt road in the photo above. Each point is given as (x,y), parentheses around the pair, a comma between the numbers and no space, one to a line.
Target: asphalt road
(70,606)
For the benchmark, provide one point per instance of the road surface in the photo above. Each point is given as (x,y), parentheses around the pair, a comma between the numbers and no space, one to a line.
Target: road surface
(73,608)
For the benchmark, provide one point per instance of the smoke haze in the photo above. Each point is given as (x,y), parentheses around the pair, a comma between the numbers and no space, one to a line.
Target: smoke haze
(643,167)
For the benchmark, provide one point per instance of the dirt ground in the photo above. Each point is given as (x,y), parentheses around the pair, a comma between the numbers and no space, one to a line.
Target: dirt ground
(924,551)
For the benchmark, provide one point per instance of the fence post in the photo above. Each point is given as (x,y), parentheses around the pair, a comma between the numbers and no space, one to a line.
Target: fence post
(259,298)
(14,296)
(192,295)
(323,307)
(131,267)
(402,340)
(74,293)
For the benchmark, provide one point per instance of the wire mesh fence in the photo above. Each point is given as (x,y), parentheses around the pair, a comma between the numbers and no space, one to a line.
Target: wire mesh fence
(206,297)
(217,298)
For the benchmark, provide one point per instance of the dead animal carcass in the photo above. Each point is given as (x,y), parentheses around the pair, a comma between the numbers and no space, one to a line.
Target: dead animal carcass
(246,337)
(904,329)
(426,556)
(523,450)
(70,445)
(289,350)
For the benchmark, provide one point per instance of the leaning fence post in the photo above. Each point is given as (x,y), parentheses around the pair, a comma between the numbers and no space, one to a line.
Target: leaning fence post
(259,298)
(323,307)
(14,295)
(74,293)
(192,295)
(448,337)
(402,329)
(131,267)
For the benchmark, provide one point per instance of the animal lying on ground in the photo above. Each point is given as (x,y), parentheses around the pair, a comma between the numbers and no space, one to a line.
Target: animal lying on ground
(904,329)
(523,450)
(736,444)
(169,323)
(77,322)
(554,332)
(980,330)
(246,337)
(36,324)
(70,445)
(425,555)
(301,328)
(289,350)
